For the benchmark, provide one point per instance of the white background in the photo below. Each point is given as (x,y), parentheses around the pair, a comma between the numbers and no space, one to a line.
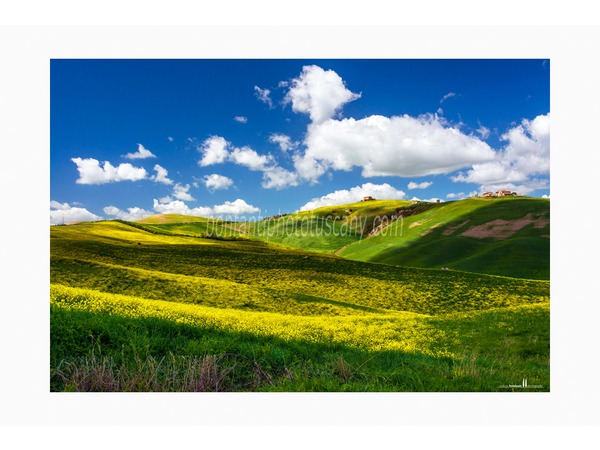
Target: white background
(32,33)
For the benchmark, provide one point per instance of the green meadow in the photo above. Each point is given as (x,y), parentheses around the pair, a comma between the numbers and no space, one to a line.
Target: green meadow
(371,296)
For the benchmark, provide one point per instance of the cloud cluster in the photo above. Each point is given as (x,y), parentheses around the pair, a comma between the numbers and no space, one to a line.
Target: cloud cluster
(130,215)
(235,208)
(526,155)
(64,213)
(355,194)
(401,146)
(217,149)
(142,153)
(90,172)
(318,93)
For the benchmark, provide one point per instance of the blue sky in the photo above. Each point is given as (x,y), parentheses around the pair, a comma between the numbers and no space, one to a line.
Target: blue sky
(132,138)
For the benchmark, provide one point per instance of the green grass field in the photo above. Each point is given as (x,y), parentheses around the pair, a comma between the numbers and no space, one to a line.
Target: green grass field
(509,236)
(500,236)
(157,306)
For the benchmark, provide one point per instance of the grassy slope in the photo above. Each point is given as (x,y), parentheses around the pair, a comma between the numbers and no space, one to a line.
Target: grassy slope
(325,229)
(432,239)
(185,268)
(361,326)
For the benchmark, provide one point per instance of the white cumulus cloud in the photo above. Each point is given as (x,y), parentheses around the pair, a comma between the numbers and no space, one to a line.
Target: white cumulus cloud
(318,93)
(59,206)
(130,215)
(276,177)
(241,119)
(181,192)
(398,146)
(61,213)
(423,185)
(525,157)
(247,157)
(161,175)
(214,182)
(355,194)
(90,172)
(214,150)
(142,153)
(235,208)
(218,150)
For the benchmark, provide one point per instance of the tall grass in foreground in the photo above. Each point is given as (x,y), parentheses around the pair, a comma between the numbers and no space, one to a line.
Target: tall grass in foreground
(170,373)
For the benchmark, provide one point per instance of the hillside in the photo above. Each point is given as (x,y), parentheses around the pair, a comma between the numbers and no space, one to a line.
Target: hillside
(509,237)
(325,229)
(134,307)
(500,236)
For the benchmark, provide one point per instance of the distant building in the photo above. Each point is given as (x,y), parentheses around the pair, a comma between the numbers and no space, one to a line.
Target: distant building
(501,193)
(505,193)
(367,198)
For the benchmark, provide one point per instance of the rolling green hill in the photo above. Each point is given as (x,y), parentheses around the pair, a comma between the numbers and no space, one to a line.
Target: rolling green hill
(509,237)
(500,236)
(325,229)
(134,308)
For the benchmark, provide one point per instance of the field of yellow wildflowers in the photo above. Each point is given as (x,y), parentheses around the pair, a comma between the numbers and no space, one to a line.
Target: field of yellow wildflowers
(137,310)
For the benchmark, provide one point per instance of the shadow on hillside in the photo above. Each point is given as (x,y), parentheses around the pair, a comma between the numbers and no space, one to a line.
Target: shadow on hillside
(524,254)
(102,352)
